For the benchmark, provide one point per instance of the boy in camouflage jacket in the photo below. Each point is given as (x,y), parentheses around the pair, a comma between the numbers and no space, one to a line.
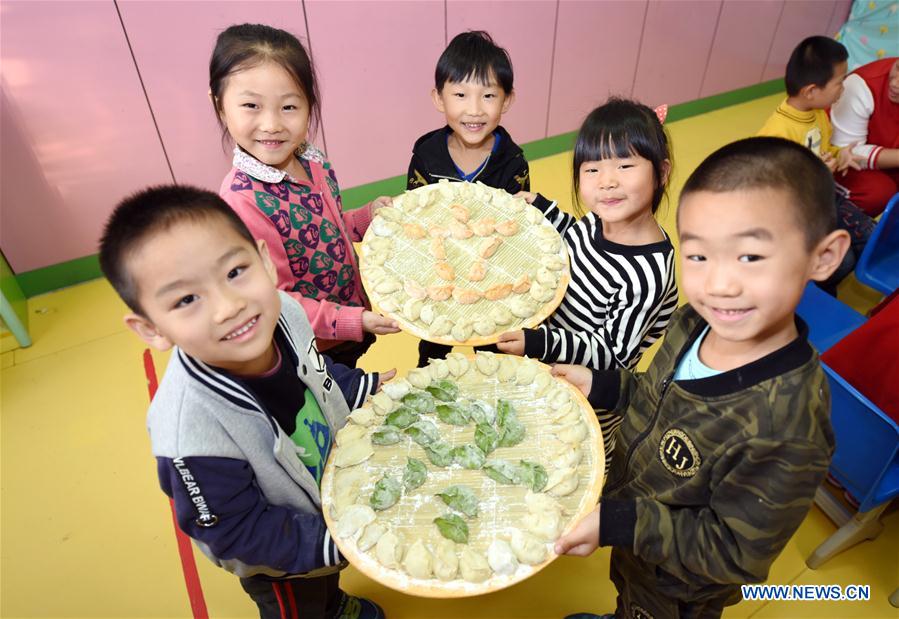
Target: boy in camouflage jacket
(727,435)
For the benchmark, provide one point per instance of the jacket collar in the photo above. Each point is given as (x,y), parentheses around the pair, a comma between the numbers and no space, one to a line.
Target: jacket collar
(251,166)
(432,148)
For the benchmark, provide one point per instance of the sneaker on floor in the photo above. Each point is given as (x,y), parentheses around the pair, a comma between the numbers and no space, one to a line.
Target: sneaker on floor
(359,608)
(590,616)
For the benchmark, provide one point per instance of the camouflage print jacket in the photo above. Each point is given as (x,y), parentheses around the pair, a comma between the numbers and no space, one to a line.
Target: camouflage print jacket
(713,476)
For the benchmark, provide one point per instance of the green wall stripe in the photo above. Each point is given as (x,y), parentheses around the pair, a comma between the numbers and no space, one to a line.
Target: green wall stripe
(83,269)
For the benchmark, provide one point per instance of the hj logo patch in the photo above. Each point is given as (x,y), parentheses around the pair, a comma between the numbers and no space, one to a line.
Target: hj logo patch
(678,454)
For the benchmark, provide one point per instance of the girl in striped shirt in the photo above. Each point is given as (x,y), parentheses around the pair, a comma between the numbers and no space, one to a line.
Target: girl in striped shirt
(622,289)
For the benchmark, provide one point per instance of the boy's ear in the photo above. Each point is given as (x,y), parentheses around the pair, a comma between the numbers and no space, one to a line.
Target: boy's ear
(438,101)
(270,267)
(828,254)
(510,98)
(148,332)
(808,91)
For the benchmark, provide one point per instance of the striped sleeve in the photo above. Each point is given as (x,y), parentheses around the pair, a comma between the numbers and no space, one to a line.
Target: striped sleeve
(640,295)
(560,220)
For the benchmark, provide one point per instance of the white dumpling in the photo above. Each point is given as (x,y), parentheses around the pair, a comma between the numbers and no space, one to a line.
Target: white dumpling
(549,246)
(446,189)
(375,274)
(553,262)
(565,413)
(389,304)
(427,314)
(486,362)
(545,232)
(546,525)
(461,331)
(388,285)
(525,373)
(441,326)
(474,566)
(573,433)
(389,213)
(457,363)
(484,325)
(383,404)
(347,483)
(377,243)
(538,502)
(560,397)
(412,309)
(362,416)
(370,535)
(446,563)
(389,549)
(533,216)
(515,205)
(542,382)
(500,557)
(353,453)
(377,258)
(562,455)
(353,519)
(527,548)
(541,292)
(382,227)
(439,368)
(500,314)
(419,377)
(562,482)
(397,389)
(418,561)
(522,307)
(508,367)
(349,433)
(548,278)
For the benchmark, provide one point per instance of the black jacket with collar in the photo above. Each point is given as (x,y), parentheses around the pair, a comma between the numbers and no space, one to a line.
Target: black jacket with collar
(506,168)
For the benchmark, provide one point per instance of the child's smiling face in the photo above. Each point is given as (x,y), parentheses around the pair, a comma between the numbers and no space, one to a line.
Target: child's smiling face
(473,110)
(619,189)
(744,265)
(266,113)
(207,290)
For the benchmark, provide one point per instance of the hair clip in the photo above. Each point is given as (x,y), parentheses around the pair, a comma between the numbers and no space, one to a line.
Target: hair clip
(661,113)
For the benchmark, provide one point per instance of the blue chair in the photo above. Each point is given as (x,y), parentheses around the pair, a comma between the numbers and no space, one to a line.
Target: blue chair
(878,266)
(866,463)
(828,318)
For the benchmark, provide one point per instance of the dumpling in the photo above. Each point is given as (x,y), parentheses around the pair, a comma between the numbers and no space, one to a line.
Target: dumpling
(466,296)
(533,216)
(370,535)
(500,314)
(484,325)
(489,246)
(362,416)
(389,213)
(349,433)
(461,331)
(549,246)
(353,453)
(559,397)
(498,291)
(457,363)
(486,362)
(507,228)
(438,232)
(522,307)
(460,212)
(440,293)
(538,502)
(474,566)
(459,230)
(568,457)
(573,433)
(378,257)
(565,415)
(446,563)
(508,366)
(478,271)
(419,377)
(541,293)
(483,227)
(383,404)
(389,549)
(437,249)
(414,231)
(353,519)
(516,205)
(446,188)
(382,227)
(542,382)
(388,285)
(444,270)
(397,389)
(545,524)
(562,482)
(527,548)
(501,558)
(545,232)
(347,483)
(375,274)
(553,262)
(414,289)
(439,368)
(441,326)
(548,278)
(412,309)
(418,561)
(522,284)
(525,373)
(389,304)
(427,314)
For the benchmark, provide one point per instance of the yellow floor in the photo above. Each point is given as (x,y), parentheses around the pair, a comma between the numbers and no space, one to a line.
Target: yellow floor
(86,532)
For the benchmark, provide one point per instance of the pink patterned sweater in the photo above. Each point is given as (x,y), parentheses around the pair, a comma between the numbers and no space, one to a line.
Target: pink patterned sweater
(309,238)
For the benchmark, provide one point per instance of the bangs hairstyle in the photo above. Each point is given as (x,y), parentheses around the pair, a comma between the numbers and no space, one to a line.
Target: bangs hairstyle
(245,46)
(474,56)
(773,163)
(622,128)
(813,62)
(147,213)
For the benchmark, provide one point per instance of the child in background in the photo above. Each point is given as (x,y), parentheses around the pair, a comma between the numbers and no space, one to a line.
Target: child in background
(264,92)
(814,81)
(622,290)
(473,89)
(727,435)
(244,417)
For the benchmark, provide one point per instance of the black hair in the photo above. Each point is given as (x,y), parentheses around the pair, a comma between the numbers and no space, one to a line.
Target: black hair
(474,56)
(772,163)
(144,214)
(244,46)
(813,62)
(622,128)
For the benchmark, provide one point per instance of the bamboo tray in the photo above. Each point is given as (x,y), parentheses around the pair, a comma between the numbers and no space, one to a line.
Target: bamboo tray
(500,506)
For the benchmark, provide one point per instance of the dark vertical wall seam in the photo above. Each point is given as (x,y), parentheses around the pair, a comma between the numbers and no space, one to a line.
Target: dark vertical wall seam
(321,127)
(639,50)
(144,89)
(773,38)
(708,58)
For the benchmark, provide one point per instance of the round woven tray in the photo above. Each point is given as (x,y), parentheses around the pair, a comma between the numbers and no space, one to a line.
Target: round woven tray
(500,506)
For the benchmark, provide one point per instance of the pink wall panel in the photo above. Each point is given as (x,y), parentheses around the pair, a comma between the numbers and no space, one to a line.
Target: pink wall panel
(740,49)
(176,73)
(838,18)
(68,73)
(596,55)
(677,38)
(799,19)
(376,65)
(525,29)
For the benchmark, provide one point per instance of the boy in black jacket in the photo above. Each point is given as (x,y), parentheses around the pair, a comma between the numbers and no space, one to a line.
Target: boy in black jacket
(473,89)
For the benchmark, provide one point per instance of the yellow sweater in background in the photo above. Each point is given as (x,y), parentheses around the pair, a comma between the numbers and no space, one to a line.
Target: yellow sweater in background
(812,129)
